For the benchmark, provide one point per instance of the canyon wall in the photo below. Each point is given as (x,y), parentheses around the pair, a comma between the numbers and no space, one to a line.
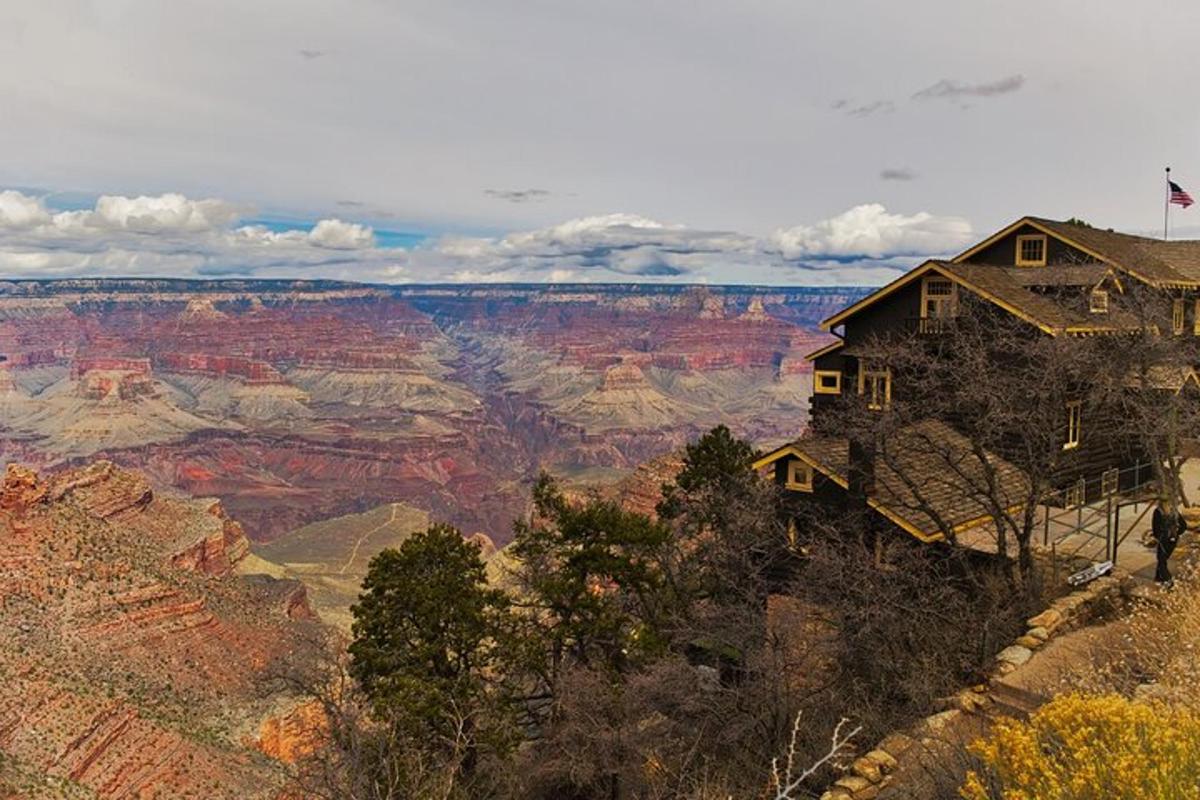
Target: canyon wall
(133,661)
(296,401)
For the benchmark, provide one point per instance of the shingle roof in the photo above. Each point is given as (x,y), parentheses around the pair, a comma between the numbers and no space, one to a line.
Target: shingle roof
(924,470)
(999,284)
(1059,274)
(1005,287)
(1170,377)
(1168,263)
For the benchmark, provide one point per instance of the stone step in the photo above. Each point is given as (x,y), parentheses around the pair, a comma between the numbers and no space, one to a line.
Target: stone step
(1013,701)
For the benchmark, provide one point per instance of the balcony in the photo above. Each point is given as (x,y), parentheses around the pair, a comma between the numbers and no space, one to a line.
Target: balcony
(931,326)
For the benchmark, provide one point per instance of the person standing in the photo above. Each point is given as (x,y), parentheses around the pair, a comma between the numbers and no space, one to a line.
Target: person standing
(1166,526)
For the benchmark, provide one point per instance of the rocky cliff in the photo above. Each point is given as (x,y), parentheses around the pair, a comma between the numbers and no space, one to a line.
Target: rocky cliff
(132,655)
(296,401)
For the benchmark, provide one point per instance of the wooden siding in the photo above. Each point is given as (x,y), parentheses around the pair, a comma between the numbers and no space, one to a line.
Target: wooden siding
(1003,252)
(820,404)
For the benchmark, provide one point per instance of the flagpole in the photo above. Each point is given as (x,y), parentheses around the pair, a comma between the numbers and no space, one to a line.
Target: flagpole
(1166,203)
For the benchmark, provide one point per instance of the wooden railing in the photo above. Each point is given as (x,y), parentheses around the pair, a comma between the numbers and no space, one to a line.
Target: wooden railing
(931,326)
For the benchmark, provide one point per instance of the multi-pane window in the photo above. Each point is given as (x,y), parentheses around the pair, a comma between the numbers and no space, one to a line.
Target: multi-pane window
(1074,424)
(938,298)
(827,381)
(876,386)
(1031,251)
(799,476)
(1177,311)
(1099,304)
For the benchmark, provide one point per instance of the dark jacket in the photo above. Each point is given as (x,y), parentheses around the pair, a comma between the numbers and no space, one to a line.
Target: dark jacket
(1167,526)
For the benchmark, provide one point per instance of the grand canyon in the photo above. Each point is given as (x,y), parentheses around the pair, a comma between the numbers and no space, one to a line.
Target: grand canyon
(200,471)
(330,419)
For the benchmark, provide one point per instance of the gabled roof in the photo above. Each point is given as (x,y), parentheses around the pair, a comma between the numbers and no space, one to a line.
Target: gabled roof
(1165,264)
(927,465)
(1165,377)
(826,350)
(1001,287)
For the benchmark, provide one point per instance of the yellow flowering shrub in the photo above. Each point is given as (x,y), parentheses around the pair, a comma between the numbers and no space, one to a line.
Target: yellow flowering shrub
(1091,747)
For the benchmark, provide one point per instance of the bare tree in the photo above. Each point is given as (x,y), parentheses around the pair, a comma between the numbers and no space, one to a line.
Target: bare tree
(1150,380)
(789,777)
(1002,392)
(354,756)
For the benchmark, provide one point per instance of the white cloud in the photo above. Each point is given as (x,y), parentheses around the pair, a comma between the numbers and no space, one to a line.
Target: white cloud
(174,235)
(168,213)
(869,231)
(624,244)
(338,235)
(20,211)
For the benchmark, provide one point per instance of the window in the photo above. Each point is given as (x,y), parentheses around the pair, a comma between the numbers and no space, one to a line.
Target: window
(938,298)
(799,476)
(939,301)
(1099,303)
(1177,317)
(1074,423)
(1031,251)
(1196,319)
(876,386)
(827,381)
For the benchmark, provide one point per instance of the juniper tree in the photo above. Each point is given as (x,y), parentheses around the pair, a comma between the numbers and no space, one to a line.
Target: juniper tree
(590,575)
(427,649)
(725,517)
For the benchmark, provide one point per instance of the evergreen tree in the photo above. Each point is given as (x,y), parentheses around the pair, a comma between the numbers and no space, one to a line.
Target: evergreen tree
(426,651)
(592,573)
(726,519)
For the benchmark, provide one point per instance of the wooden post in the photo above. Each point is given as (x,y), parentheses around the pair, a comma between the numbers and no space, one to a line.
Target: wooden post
(1109,536)
(1054,562)
(1117,540)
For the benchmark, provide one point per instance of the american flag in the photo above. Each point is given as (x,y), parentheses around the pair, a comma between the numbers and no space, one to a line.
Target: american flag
(1178,196)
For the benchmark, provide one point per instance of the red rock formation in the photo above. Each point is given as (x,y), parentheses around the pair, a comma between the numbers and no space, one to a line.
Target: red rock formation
(329,399)
(246,370)
(126,641)
(136,366)
(293,734)
(21,490)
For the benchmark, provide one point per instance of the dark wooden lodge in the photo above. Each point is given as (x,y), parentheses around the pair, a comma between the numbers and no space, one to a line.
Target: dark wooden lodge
(1060,279)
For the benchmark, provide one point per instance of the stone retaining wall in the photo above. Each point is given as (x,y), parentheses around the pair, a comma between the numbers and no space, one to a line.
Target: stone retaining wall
(877,769)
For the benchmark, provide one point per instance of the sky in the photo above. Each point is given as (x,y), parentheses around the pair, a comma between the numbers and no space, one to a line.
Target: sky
(784,142)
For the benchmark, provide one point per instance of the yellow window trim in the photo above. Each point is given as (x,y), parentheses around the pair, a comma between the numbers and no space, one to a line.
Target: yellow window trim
(872,502)
(1033,223)
(1178,312)
(1031,237)
(951,299)
(1074,424)
(925,269)
(1196,318)
(799,476)
(793,450)
(820,388)
(1099,302)
(886,374)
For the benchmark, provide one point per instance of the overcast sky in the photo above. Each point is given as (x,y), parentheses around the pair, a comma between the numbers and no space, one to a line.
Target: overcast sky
(773,141)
